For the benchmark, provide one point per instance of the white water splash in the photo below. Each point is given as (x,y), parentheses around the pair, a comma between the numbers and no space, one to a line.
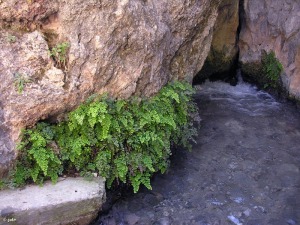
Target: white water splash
(243,97)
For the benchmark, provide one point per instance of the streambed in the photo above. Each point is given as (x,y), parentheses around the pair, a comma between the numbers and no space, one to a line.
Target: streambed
(244,168)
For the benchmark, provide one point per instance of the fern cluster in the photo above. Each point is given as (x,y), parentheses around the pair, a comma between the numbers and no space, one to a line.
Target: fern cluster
(59,54)
(272,69)
(122,140)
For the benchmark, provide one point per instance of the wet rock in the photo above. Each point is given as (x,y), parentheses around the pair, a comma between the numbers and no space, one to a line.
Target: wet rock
(260,209)
(70,201)
(255,222)
(201,220)
(234,220)
(291,222)
(163,221)
(277,221)
(238,200)
(247,212)
(288,175)
(132,219)
(153,199)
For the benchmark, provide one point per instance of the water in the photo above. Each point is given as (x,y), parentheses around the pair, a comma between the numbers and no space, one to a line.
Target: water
(243,170)
(243,97)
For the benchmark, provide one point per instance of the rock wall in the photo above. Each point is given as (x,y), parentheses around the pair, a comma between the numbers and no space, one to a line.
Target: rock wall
(272,26)
(223,54)
(126,47)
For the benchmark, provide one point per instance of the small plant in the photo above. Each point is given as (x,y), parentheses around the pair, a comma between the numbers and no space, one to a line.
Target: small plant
(59,54)
(11,38)
(122,140)
(20,82)
(2,185)
(272,69)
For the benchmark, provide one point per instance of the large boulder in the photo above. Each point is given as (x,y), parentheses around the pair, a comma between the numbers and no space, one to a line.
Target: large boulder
(221,60)
(272,26)
(126,47)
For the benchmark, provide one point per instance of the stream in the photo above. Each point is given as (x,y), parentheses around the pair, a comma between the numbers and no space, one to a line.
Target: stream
(244,168)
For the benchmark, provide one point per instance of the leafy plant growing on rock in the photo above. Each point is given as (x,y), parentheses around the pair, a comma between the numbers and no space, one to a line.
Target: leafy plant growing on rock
(122,140)
(2,184)
(20,82)
(11,38)
(272,68)
(59,54)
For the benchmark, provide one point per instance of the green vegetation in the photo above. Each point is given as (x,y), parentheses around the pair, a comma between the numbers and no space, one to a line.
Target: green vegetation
(59,54)
(122,140)
(272,69)
(20,81)
(11,38)
(2,184)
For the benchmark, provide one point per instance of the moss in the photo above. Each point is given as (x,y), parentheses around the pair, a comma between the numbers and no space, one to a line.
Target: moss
(272,69)
(265,73)
(252,72)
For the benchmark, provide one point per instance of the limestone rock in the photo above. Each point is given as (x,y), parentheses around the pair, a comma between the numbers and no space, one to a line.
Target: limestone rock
(126,47)
(54,77)
(224,47)
(272,26)
(70,201)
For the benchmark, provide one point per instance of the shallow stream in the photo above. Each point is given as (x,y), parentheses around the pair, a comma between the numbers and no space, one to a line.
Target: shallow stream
(243,170)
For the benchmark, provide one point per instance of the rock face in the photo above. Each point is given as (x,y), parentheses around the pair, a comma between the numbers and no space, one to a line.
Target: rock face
(224,47)
(126,47)
(71,201)
(272,26)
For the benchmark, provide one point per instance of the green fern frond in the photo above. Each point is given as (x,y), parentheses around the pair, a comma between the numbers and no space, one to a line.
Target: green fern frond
(122,140)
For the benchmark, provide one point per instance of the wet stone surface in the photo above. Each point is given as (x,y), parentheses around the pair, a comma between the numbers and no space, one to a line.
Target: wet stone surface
(243,170)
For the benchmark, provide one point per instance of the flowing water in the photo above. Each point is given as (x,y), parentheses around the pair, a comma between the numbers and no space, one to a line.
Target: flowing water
(243,170)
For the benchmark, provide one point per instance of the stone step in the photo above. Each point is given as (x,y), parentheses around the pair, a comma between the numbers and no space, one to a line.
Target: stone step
(71,201)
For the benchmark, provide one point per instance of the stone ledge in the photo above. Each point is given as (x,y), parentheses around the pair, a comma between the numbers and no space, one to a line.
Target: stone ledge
(70,201)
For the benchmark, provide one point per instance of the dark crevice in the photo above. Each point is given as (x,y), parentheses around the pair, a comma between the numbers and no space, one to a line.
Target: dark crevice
(227,75)
(241,19)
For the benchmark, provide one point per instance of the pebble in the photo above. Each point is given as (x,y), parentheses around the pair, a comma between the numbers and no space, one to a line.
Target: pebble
(132,219)
(234,220)
(291,222)
(247,212)
(238,200)
(260,208)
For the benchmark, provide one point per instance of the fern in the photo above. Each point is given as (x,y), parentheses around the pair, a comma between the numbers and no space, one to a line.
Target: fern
(272,69)
(122,140)
(59,54)
(121,167)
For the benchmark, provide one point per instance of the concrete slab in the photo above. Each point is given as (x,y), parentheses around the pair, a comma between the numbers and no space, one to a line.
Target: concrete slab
(70,201)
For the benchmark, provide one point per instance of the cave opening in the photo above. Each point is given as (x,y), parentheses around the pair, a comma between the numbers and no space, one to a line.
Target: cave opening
(218,67)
